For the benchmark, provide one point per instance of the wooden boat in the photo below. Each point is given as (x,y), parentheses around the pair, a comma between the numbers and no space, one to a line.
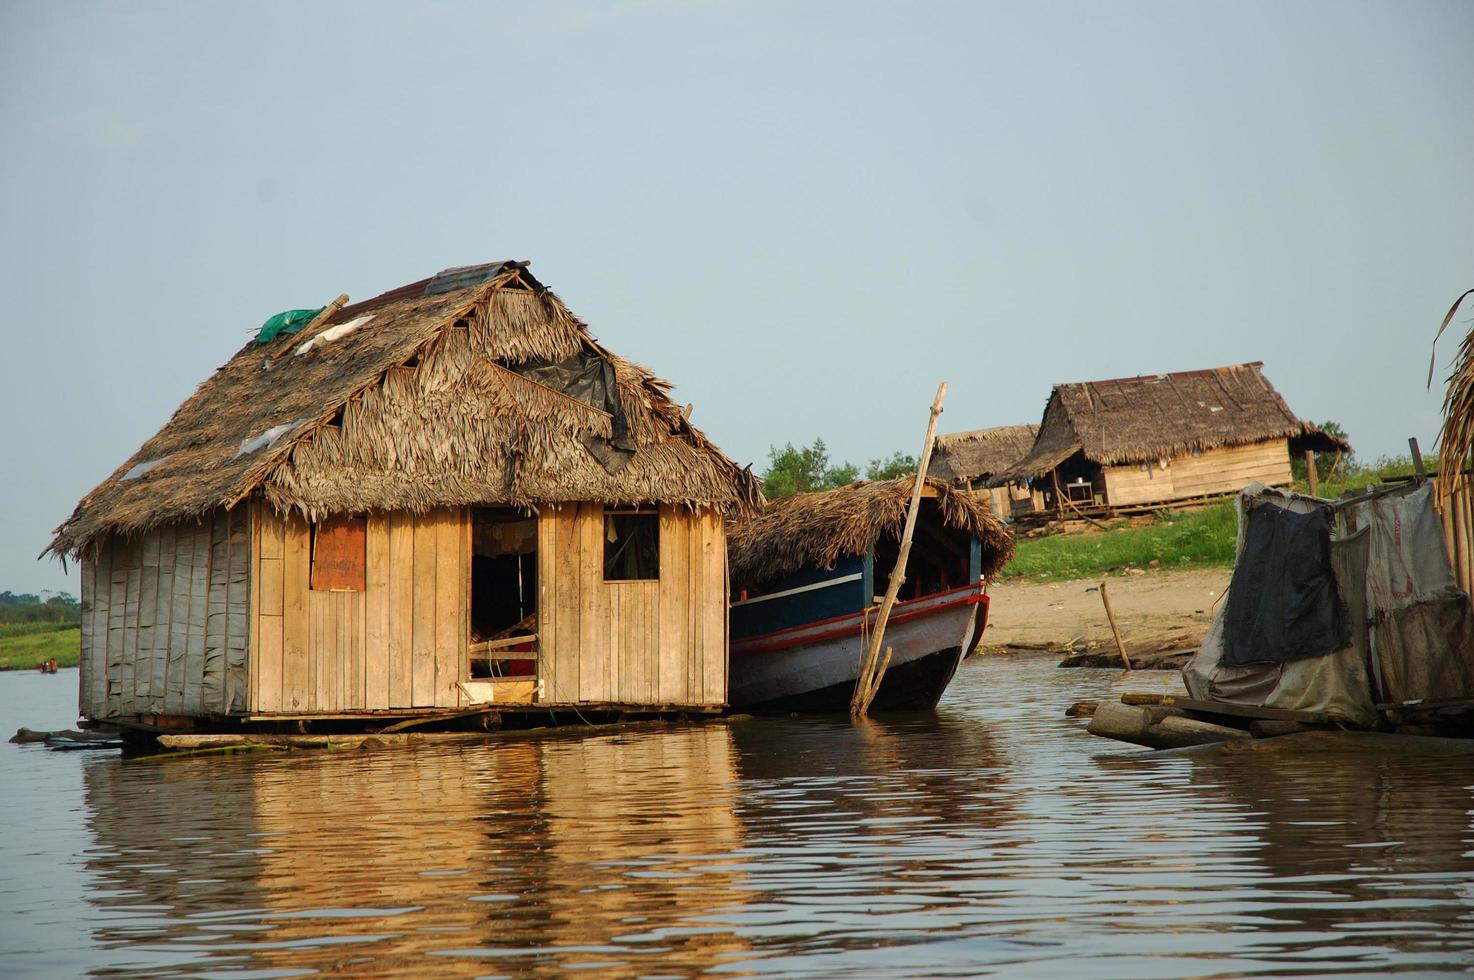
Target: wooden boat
(805,574)
(813,666)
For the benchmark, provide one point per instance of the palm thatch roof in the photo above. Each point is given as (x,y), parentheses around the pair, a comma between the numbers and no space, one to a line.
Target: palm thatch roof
(816,529)
(1132,420)
(963,457)
(449,391)
(1456,440)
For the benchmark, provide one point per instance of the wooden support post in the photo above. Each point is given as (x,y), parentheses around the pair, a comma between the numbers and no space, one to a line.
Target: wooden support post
(1456,521)
(866,685)
(1418,469)
(1461,537)
(1310,474)
(1111,618)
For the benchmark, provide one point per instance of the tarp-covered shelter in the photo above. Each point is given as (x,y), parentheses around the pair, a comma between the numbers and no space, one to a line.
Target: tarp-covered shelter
(444,496)
(972,458)
(1337,607)
(1157,439)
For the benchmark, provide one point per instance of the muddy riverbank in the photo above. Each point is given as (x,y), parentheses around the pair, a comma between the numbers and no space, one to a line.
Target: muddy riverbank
(1157,611)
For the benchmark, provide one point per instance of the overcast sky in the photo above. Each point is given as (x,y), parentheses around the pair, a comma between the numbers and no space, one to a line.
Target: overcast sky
(804,214)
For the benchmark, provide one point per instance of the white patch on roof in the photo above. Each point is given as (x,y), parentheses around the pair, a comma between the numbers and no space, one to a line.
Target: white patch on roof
(266,439)
(334,333)
(138,469)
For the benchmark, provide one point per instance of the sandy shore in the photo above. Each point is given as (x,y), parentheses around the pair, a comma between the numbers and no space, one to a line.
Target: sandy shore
(1156,611)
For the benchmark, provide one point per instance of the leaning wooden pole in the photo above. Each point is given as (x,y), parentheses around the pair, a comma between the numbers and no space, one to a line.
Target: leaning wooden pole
(1115,631)
(868,683)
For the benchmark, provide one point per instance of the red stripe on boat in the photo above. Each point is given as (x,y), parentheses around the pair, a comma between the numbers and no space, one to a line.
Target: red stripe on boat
(855,623)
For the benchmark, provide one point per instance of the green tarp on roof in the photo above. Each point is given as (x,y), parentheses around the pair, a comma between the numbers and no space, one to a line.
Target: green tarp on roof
(289,322)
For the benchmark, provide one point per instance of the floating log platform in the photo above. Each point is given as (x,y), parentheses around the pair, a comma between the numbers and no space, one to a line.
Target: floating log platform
(1164,721)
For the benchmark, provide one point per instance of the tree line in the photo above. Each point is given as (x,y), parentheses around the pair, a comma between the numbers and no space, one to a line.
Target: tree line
(802,469)
(49,607)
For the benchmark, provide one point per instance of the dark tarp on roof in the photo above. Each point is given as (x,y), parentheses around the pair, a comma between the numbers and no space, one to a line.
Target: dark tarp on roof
(590,379)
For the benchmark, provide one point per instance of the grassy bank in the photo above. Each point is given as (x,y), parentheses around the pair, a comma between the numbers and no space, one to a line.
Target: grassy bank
(24,645)
(1182,539)
(1174,539)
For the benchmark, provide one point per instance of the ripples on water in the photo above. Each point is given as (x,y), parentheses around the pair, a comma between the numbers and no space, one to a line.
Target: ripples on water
(993,836)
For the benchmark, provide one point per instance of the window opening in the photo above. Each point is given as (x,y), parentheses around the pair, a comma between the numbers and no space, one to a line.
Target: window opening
(631,545)
(339,547)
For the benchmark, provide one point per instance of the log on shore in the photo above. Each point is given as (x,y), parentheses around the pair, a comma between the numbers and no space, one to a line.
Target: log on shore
(1165,660)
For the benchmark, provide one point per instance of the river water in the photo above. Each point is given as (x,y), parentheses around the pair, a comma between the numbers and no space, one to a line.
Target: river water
(995,836)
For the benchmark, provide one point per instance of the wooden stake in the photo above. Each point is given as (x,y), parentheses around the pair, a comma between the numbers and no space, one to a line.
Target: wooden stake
(1310,474)
(323,316)
(879,678)
(1418,468)
(866,685)
(1111,618)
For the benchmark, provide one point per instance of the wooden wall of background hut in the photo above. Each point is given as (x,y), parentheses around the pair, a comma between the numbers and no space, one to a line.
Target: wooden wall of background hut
(639,642)
(999,501)
(1226,469)
(165,620)
(1012,500)
(401,643)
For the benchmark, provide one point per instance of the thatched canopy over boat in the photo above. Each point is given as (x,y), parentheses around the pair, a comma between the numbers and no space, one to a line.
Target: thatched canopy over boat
(1160,416)
(816,529)
(963,457)
(475,386)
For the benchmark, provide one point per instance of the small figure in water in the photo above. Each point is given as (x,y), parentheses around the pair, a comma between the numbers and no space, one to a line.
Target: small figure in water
(48,666)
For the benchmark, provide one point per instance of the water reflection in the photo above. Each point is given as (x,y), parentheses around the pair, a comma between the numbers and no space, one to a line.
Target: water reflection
(544,853)
(1358,838)
(992,836)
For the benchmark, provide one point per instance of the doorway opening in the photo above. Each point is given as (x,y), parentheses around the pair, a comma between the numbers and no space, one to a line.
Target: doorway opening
(503,593)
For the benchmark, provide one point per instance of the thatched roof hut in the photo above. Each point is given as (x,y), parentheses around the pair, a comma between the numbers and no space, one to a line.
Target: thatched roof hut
(817,529)
(369,514)
(485,416)
(967,457)
(1157,417)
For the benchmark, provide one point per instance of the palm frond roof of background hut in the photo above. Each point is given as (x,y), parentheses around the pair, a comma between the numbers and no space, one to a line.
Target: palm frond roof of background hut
(816,529)
(1152,417)
(962,457)
(425,396)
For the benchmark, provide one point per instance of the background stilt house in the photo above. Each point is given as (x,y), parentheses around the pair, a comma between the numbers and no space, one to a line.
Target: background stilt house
(1162,439)
(447,495)
(973,458)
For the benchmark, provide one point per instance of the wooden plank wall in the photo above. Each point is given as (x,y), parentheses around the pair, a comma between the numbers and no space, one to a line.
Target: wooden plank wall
(655,642)
(401,643)
(1227,469)
(164,621)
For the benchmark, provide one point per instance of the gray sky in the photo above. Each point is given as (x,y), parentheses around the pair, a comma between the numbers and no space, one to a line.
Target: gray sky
(806,215)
